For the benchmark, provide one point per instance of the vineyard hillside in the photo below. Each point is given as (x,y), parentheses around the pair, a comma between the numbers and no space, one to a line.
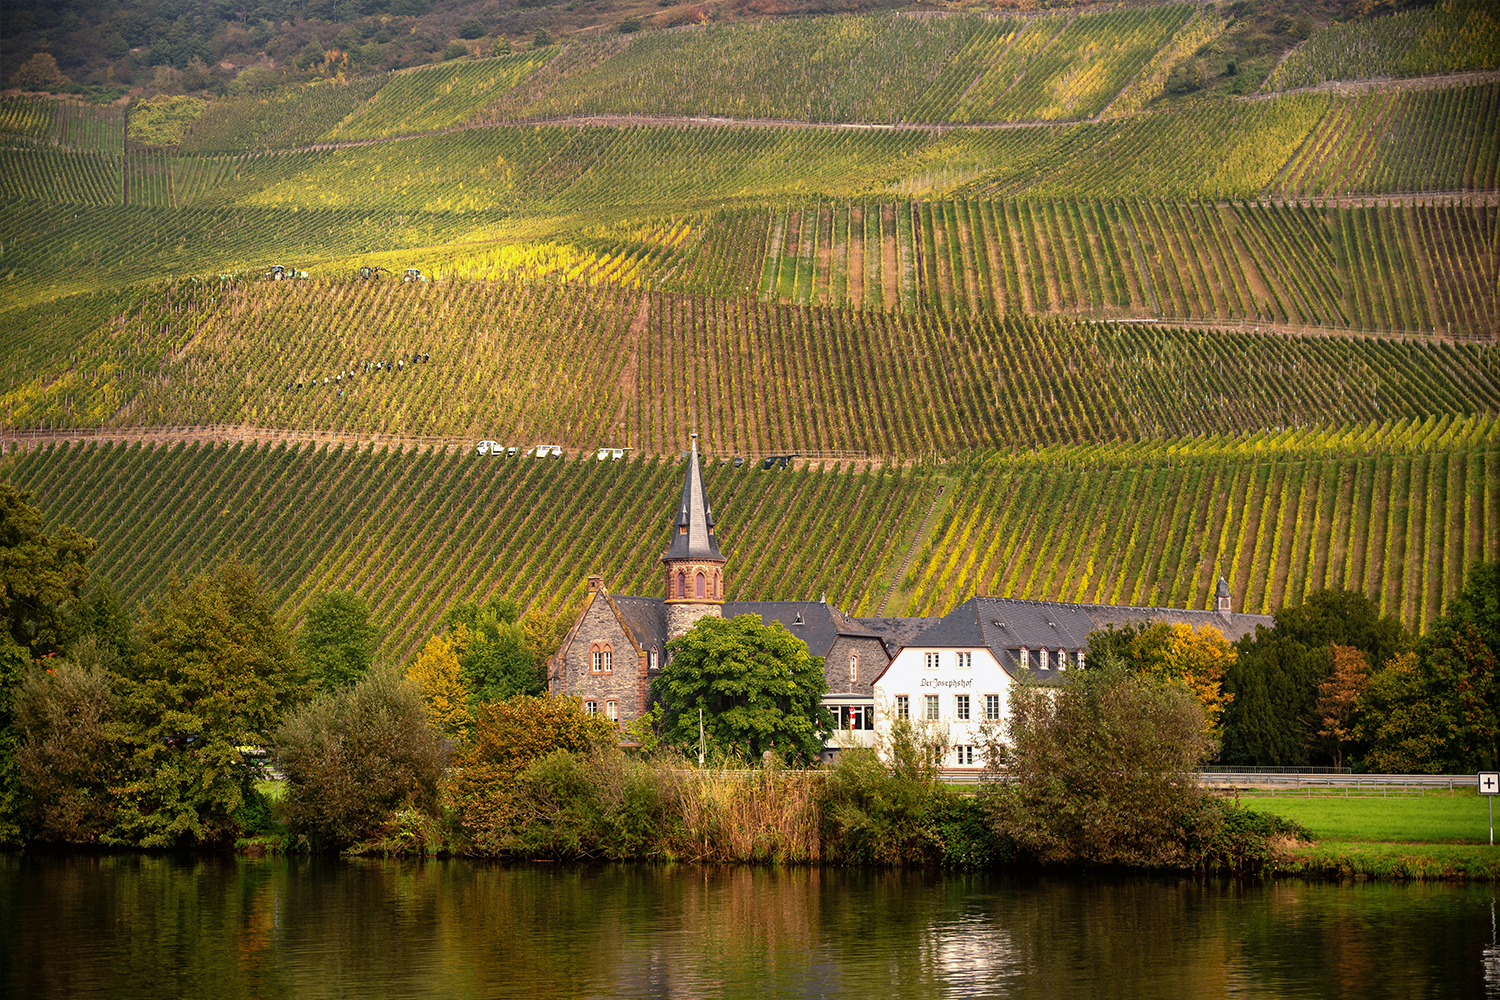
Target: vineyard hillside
(1092,304)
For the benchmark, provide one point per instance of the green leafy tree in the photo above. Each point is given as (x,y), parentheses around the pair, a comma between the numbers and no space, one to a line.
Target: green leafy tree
(1274,719)
(215,668)
(336,640)
(1101,770)
(1409,718)
(757,685)
(497,648)
(353,757)
(42,574)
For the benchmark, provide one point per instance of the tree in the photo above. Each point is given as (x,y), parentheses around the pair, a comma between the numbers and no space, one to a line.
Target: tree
(40,72)
(69,753)
(437,675)
(1477,604)
(42,574)
(215,668)
(1274,719)
(1101,771)
(499,651)
(1196,659)
(336,640)
(353,757)
(471,29)
(1409,719)
(541,38)
(756,684)
(1339,699)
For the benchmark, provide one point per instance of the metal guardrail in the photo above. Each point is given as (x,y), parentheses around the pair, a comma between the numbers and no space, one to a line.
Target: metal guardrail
(1276,781)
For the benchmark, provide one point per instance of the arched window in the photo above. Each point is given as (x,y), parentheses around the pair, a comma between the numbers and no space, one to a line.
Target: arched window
(681,586)
(853,668)
(655,661)
(718,587)
(602,656)
(700,587)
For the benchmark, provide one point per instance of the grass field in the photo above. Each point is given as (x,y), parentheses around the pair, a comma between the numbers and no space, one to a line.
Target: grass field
(1435,817)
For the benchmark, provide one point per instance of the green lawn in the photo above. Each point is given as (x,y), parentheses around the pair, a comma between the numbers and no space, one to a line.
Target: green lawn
(1435,818)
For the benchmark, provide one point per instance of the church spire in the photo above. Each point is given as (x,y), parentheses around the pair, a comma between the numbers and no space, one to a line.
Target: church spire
(693,532)
(694,564)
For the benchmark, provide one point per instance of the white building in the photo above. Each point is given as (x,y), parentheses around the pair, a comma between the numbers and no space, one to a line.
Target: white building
(959,674)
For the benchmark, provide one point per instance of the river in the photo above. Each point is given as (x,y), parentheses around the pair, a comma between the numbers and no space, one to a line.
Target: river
(126,926)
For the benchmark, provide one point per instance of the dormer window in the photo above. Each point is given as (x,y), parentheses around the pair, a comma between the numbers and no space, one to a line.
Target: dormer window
(655,658)
(682,529)
(798,620)
(853,668)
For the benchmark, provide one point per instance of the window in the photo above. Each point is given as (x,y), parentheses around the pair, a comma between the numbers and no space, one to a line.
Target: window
(1041,659)
(612,711)
(930,661)
(961,707)
(1025,658)
(856,717)
(853,668)
(964,661)
(603,659)
(965,756)
(991,708)
(1080,659)
(591,708)
(682,586)
(700,586)
(655,662)
(931,704)
(903,707)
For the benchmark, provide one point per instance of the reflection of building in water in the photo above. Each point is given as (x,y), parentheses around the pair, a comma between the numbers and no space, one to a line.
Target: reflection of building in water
(953,673)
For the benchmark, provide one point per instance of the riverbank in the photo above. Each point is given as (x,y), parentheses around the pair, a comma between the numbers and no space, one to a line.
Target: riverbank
(1438,836)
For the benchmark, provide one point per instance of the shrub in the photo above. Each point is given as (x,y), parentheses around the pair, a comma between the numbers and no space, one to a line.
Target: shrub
(471,29)
(1102,771)
(506,737)
(456,50)
(353,757)
(68,759)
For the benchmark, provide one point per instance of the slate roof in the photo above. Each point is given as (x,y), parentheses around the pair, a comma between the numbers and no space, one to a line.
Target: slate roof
(820,626)
(693,512)
(1004,624)
(646,617)
(898,632)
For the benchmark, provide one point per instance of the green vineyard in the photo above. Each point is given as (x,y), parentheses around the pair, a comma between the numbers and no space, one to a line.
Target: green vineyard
(1399,512)
(606,366)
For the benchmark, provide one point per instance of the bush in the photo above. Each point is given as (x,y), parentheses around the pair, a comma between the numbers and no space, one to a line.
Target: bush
(1243,841)
(506,737)
(471,29)
(68,759)
(456,50)
(1102,771)
(354,757)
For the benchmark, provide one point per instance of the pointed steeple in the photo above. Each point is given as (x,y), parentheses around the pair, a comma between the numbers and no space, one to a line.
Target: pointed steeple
(693,532)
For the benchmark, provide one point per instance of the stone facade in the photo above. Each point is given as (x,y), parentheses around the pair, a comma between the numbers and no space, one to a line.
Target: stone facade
(681,616)
(621,679)
(871,659)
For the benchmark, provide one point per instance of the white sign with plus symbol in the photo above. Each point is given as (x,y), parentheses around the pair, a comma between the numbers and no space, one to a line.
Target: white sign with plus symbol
(1489,782)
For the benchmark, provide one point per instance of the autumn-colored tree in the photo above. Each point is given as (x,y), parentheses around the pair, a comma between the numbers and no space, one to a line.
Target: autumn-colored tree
(438,675)
(1339,699)
(39,72)
(1196,659)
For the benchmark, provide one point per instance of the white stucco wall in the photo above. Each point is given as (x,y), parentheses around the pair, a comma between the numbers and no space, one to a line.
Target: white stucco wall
(910,674)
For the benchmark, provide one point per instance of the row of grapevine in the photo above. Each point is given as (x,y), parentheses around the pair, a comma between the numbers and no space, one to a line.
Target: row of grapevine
(1369,268)
(69,124)
(1398,511)
(1444,38)
(416,531)
(590,366)
(1422,140)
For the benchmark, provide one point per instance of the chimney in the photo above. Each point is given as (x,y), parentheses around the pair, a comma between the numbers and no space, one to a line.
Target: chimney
(596,583)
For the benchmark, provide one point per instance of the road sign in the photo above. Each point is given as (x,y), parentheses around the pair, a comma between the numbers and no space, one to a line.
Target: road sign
(1489,784)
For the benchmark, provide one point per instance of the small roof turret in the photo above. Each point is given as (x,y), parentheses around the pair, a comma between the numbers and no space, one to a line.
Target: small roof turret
(693,531)
(1223,588)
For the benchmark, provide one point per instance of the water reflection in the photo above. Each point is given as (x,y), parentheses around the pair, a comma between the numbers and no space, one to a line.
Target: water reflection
(134,926)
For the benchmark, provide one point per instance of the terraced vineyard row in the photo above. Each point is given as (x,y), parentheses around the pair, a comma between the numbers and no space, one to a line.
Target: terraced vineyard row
(1299,145)
(604,366)
(89,127)
(1423,269)
(1398,512)
(413,532)
(1444,38)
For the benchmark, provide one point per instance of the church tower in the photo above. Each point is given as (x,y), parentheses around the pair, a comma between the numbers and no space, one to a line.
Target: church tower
(694,565)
